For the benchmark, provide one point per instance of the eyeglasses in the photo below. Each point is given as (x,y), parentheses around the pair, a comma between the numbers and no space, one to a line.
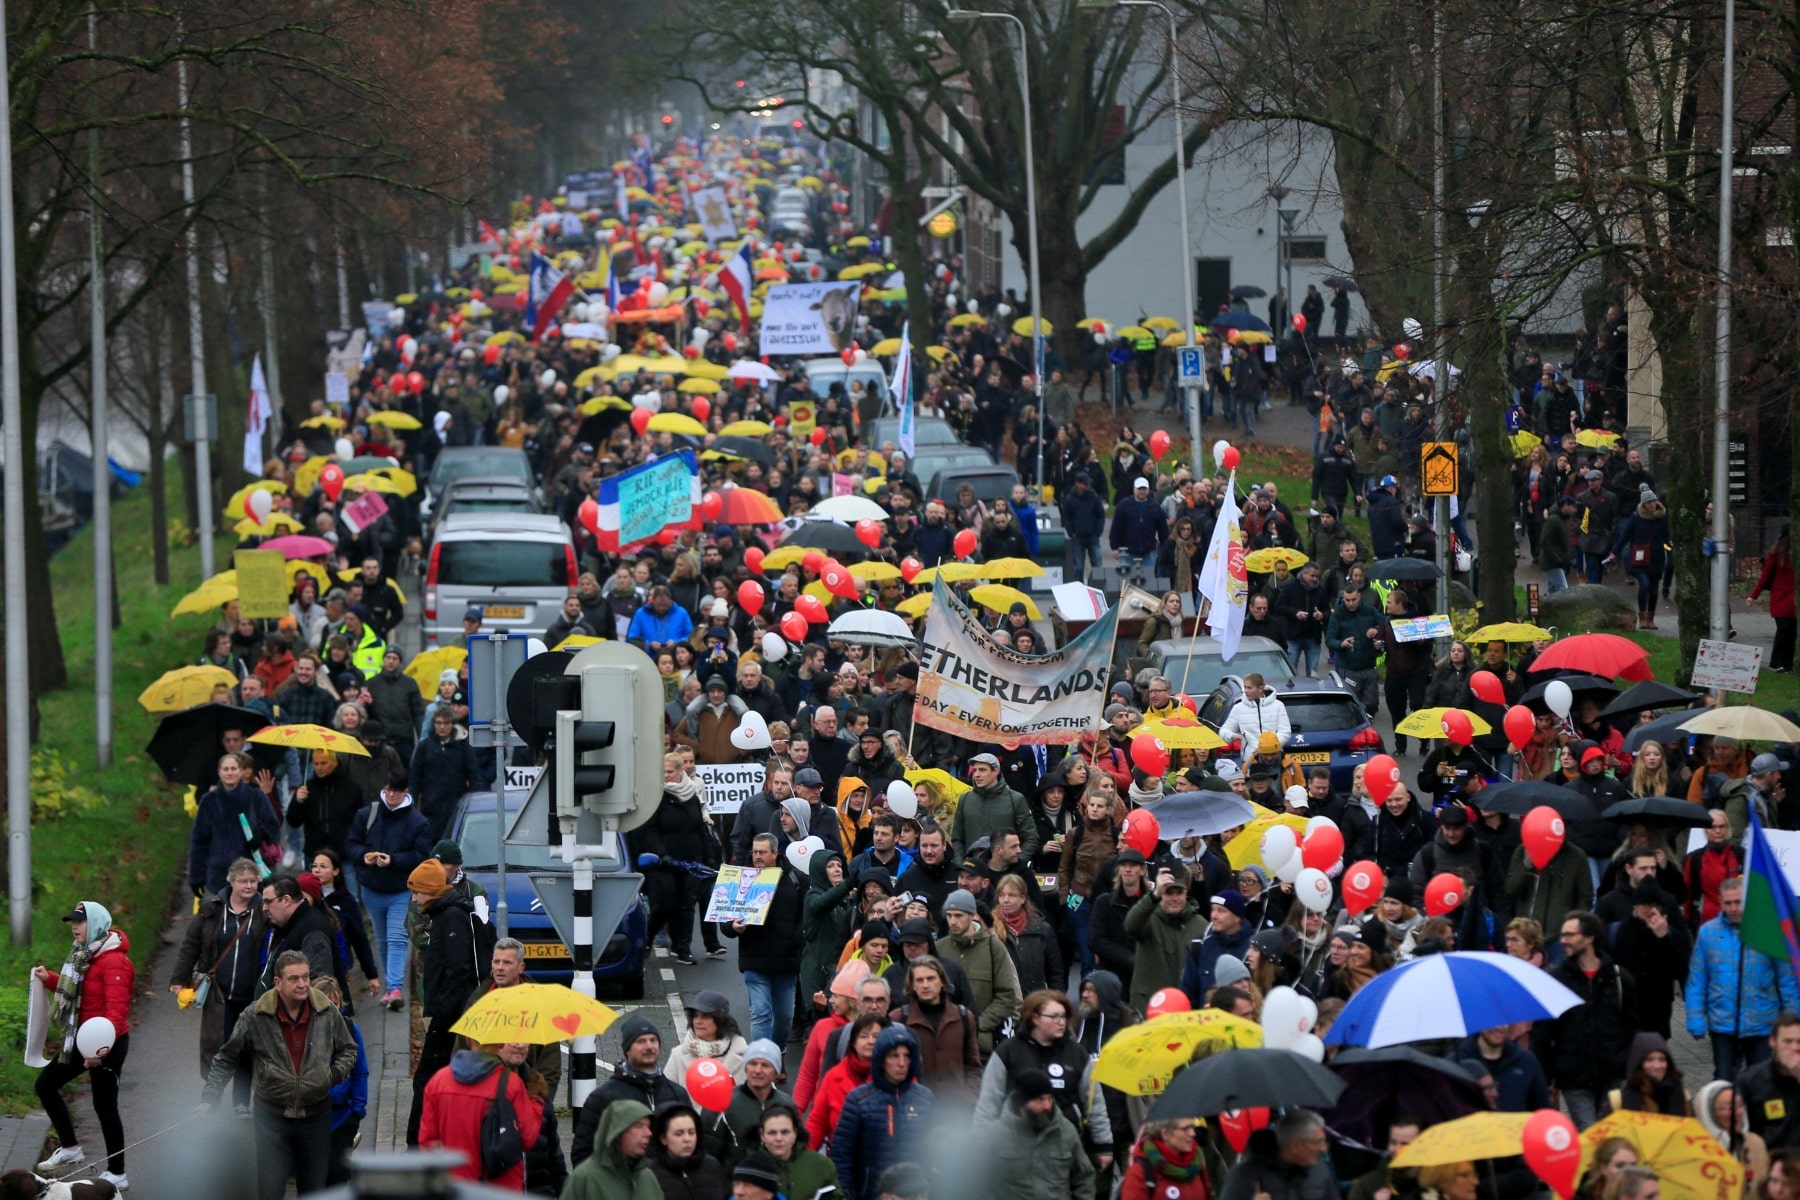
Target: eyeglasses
(1053,1016)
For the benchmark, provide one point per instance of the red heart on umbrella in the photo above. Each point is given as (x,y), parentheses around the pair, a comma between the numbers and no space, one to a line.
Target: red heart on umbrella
(1174,1047)
(568,1024)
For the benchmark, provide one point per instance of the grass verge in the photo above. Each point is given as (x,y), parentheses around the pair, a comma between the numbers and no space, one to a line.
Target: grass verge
(116,836)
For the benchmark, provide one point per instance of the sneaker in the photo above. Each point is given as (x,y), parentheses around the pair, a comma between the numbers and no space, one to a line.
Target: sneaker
(392,1000)
(63,1157)
(118,1181)
(242,1111)
(717,952)
(685,958)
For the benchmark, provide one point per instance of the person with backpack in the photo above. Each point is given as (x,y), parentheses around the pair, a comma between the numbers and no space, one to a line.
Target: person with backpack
(455,963)
(480,1107)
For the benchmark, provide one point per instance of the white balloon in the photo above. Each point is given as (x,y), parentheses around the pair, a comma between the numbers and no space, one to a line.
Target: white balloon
(1278,845)
(259,504)
(1313,889)
(1283,1016)
(396,316)
(1413,328)
(547,379)
(752,732)
(700,337)
(1317,822)
(344,450)
(1099,338)
(501,395)
(96,1034)
(1290,870)
(659,294)
(535,647)
(612,351)
(1308,1045)
(902,801)
(1558,697)
(1003,310)
(1219,449)
(774,647)
(799,854)
(974,304)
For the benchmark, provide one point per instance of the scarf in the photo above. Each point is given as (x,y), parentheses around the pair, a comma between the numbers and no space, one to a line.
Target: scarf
(687,789)
(65,1011)
(1356,976)
(1167,1164)
(701,1049)
(1142,796)
(1016,922)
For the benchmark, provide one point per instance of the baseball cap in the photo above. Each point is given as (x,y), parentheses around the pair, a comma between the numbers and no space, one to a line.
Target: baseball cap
(78,913)
(1453,815)
(1232,899)
(1296,797)
(472,613)
(1388,481)
(808,777)
(1139,482)
(1766,762)
(916,932)
(1228,770)
(1132,854)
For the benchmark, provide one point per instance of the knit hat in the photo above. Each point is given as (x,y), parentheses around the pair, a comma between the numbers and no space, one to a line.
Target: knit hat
(309,883)
(961,901)
(1228,770)
(1232,899)
(1374,936)
(1230,969)
(1262,876)
(1028,1085)
(875,929)
(764,1050)
(851,977)
(758,1169)
(429,879)
(448,853)
(635,1026)
(1268,743)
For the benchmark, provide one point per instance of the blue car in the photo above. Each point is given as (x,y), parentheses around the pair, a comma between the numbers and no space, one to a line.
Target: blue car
(619,963)
(1330,727)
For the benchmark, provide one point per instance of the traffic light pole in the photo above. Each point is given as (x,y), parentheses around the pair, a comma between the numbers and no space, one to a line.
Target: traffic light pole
(502,731)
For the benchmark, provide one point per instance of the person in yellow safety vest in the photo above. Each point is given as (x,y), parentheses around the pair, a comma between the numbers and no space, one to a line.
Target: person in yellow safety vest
(366,648)
(1144,344)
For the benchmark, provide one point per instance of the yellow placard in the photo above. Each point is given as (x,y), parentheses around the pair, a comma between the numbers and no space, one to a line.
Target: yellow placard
(803,418)
(1440,470)
(262,583)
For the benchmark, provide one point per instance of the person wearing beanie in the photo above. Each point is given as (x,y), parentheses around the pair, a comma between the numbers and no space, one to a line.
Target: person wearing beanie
(1228,933)
(993,979)
(1456,848)
(715,713)
(635,1077)
(730,1135)
(763,1175)
(460,946)
(1162,924)
(445,768)
(1034,1152)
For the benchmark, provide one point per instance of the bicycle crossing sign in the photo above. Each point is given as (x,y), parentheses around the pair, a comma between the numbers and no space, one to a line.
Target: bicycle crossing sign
(1439,469)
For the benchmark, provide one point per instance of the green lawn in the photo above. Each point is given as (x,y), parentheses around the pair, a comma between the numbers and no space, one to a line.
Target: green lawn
(119,835)
(1773,692)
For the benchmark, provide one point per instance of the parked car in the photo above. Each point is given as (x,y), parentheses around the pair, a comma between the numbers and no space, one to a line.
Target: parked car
(1194,665)
(821,373)
(517,566)
(619,962)
(1330,727)
(927,431)
(457,462)
(994,482)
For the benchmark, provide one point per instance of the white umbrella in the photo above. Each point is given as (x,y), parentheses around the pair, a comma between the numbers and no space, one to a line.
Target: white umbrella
(872,627)
(745,368)
(1428,370)
(1745,723)
(1449,995)
(850,509)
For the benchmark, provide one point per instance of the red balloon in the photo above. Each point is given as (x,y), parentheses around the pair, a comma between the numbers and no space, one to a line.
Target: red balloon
(810,608)
(1381,776)
(490,355)
(813,561)
(1167,1000)
(909,567)
(711,504)
(1402,351)
(1520,724)
(839,582)
(964,544)
(475,294)
(1443,894)
(415,382)
(817,437)
(1487,686)
(1231,458)
(1239,1123)
(1159,444)
(731,342)
(868,532)
(710,1085)
(1543,833)
(793,627)
(331,480)
(640,420)
(1299,322)
(1553,1150)
(753,560)
(849,356)
(1364,883)
(750,596)
(1457,727)
(1322,848)
(1188,702)
(690,352)
(1142,830)
(589,514)
(1233,336)
(397,383)
(1150,756)
(702,408)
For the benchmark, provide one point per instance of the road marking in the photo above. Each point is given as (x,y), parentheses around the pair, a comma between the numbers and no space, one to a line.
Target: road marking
(679,1014)
(662,951)
(668,975)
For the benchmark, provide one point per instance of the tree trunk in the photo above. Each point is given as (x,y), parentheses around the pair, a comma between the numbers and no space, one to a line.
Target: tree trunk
(49,670)
(1485,388)
(1063,279)
(1673,324)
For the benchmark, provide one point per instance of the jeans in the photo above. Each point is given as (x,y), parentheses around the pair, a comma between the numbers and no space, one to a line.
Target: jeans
(387,913)
(1646,581)
(771,1005)
(1555,580)
(1732,1054)
(297,1146)
(1307,649)
(1583,1106)
(1078,925)
(105,1090)
(1079,554)
(1247,410)
(1591,567)
(1367,687)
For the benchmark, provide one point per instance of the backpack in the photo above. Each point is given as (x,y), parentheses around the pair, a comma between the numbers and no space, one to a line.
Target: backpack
(502,1145)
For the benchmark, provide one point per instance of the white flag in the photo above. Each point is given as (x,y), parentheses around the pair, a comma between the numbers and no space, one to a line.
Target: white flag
(256,419)
(1223,579)
(713,211)
(901,387)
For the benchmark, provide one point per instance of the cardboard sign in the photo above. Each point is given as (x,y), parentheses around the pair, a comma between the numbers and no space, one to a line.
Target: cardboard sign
(728,785)
(262,583)
(743,894)
(810,318)
(842,484)
(1732,666)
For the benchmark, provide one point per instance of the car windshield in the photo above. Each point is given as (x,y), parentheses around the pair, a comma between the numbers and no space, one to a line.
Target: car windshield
(479,848)
(501,564)
(925,433)
(516,502)
(1319,711)
(496,460)
(1202,672)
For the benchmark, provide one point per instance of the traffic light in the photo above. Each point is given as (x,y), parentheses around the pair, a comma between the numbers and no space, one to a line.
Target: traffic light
(609,750)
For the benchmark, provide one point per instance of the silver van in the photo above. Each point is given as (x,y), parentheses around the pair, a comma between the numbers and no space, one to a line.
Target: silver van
(517,567)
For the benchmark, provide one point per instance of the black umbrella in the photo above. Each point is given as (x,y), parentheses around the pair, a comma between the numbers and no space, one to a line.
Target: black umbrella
(1664,729)
(1642,697)
(828,536)
(187,744)
(1399,1079)
(754,449)
(1248,291)
(1247,1079)
(1579,684)
(1338,281)
(1521,797)
(1414,570)
(1659,810)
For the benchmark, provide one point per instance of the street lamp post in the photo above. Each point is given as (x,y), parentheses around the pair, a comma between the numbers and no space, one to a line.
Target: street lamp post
(1288,217)
(1720,606)
(1031,228)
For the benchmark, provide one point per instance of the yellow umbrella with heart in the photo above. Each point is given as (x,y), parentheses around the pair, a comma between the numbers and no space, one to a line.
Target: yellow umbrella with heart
(1141,1059)
(184,687)
(1182,731)
(1265,560)
(1428,723)
(309,737)
(600,404)
(538,1014)
(1689,1163)
(874,571)
(1011,568)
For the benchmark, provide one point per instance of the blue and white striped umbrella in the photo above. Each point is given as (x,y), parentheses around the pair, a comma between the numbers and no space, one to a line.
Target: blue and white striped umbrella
(1448,995)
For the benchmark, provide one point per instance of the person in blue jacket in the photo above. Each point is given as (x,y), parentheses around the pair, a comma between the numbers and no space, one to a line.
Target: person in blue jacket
(1139,527)
(1735,993)
(221,818)
(388,840)
(349,1099)
(1084,520)
(1229,934)
(659,625)
(884,1120)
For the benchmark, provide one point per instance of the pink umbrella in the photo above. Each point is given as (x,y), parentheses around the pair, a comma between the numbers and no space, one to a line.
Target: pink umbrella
(299,545)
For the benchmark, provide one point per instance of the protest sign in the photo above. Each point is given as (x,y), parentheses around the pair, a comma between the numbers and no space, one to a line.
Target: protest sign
(640,503)
(809,318)
(743,894)
(262,583)
(364,511)
(728,785)
(1731,666)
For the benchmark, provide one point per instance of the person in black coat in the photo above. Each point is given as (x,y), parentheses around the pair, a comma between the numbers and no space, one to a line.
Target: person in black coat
(635,1076)
(769,954)
(1387,519)
(1303,609)
(460,946)
(679,856)
(683,1168)
(1583,1051)
(1401,830)
(1654,947)
(217,838)
(444,769)
(325,806)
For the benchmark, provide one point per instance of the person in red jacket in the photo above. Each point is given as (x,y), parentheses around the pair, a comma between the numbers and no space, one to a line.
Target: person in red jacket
(850,1073)
(457,1099)
(1166,1164)
(97,980)
(1777,579)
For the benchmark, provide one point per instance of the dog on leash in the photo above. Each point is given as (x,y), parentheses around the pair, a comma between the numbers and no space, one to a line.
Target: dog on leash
(24,1185)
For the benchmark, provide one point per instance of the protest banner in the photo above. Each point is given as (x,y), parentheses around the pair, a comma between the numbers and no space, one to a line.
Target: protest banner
(364,511)
(638,504)
(809,318)
(728,785)
(262,583)
(972,686)
(743,894)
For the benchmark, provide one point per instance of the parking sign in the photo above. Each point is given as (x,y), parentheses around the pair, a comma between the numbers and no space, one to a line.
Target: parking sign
(1193,365)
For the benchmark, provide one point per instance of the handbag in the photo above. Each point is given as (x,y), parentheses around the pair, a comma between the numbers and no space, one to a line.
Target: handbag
(502,1145)
(203,989)
(1640,555)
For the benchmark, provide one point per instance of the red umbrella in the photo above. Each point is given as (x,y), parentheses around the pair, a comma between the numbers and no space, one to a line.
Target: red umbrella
(1604,654)
(299,545)
(746,506)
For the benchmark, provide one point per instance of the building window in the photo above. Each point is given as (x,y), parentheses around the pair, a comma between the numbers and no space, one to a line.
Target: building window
(1306,249)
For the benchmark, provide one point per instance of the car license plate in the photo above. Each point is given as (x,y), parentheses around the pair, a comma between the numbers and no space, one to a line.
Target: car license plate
(546,950)
(503,612)
(1307,758)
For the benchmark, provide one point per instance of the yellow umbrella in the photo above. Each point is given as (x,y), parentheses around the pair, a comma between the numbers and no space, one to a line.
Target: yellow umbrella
(1011,568)
(581,344)
(1179,338)
(860,271)
(885,347)
(967,320)
(425,668)
(1000,598)
(914,606)
(1180,733)
(1141,1059)
(1022,327)
(747,429)
(405,480)
(1466,1139)
(1246,847)
(700,387)
(782,557)
(600,404)
(670,422)
(1524,442)
(1597,439)
(309,737)
(1090,322)
(540,1014)
(629,362)
(1160,323)
(368,482)
(818,591)
(857,243)
(323,422)
(184,687)
(395,420)
(1265,560)
(1427,723)
(576,641)
(952,572)
(1744,723)
(457,293)
(234,507)
(940,353)
(588,376)
(699,368)
(875,571)
(1254,337)
(204,599)
(277,522)
(1509,631)
(668,364)
(948,785)
(1688,1162)
(505,337)
(1137,331)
